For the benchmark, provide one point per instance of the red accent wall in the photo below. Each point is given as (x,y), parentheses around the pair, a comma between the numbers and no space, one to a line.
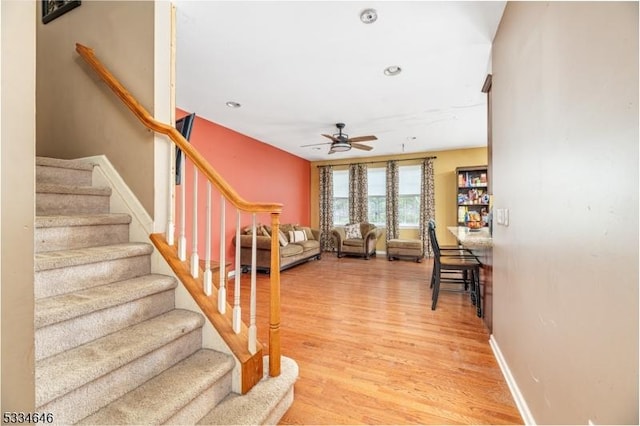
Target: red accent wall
(257,171)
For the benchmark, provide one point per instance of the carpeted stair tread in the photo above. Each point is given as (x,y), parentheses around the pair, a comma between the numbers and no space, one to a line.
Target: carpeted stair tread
(157,400)
(64,372)
(82,220)
(63,172)
(52,310)
(64,232)
(66,258)
(64,164)
(261,404)
(54,188)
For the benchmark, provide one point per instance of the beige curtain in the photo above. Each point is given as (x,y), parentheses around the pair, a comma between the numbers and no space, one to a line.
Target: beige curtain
(326,207)
(427,204)
(358,193)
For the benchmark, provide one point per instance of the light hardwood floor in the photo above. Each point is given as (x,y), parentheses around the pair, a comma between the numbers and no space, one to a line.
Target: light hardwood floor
(371,351)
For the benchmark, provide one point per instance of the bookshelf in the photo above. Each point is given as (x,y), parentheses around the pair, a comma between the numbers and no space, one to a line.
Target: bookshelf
(472,193)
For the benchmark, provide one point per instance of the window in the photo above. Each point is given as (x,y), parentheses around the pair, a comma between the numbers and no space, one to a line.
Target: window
(340,197)
(377,197)
(409,196)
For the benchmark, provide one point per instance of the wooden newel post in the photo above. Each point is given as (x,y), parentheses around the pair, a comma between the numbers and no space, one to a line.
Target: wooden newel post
(274,313)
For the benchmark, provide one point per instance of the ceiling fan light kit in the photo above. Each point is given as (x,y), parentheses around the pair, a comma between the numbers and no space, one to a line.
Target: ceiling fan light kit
(340,147)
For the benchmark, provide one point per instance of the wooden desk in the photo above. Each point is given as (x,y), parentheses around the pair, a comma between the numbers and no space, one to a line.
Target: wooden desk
(481,245)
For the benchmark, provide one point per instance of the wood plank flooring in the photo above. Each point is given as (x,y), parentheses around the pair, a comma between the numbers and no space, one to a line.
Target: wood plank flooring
(371,351)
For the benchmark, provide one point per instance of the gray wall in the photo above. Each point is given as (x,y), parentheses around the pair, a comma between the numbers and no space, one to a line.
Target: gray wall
(565,158)
(17,194)
(78,115)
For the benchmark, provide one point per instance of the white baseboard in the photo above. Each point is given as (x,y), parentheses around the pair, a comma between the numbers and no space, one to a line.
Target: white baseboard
(525,413)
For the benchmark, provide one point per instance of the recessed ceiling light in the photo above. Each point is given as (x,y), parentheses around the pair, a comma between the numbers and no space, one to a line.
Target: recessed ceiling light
(232,104)
(369,16)
(392,70)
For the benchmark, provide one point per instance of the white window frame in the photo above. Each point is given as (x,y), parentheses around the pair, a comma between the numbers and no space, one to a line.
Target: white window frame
(409,189)
(341,188)
(376,187)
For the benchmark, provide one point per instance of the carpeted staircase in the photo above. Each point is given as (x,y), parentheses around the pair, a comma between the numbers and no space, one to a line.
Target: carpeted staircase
(110,346)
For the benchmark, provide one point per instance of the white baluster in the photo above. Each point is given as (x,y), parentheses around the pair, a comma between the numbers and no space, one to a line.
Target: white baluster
(253,331)
(171,199)
(195,267)
(222,287)
(207,277)
(237,310)
(182,241)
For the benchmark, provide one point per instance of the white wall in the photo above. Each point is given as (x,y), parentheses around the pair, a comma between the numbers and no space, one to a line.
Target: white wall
(164,112)
(565,158)
(17,194)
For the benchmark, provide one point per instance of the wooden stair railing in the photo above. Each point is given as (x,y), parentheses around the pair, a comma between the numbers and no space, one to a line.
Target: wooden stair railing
(240,338)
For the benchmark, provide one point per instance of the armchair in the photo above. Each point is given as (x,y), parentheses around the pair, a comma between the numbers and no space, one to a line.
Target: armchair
(358,239)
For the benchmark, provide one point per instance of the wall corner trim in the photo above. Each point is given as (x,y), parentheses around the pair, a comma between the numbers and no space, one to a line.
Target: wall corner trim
(511,382)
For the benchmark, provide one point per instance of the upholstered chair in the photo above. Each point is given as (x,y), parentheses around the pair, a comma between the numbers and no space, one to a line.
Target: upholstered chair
(356,240)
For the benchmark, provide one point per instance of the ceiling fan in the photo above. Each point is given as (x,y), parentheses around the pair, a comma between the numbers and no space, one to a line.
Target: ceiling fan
(341,142)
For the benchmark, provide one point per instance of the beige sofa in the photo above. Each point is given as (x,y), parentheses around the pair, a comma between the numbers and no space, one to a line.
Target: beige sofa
(363,244)
(291,252)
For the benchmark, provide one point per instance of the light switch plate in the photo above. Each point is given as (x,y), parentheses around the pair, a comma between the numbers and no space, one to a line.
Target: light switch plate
(506,217)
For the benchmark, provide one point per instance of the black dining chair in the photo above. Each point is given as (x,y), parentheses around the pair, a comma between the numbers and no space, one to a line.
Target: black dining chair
(457,266)
(448,250)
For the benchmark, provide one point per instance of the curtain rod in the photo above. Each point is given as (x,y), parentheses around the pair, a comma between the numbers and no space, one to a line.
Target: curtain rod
(380,161)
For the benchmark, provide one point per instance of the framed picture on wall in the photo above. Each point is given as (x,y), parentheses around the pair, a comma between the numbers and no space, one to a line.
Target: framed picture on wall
(51,9)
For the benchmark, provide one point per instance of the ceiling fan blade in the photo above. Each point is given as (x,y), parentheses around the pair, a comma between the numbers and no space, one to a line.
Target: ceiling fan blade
(360,146)
(363,138)
(331,137)
(316,144)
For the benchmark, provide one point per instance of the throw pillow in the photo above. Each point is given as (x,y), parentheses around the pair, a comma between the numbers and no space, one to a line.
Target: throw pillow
(307,231)
(248,230)
(265,232)
(352,231)
(286,227)
(297,236)
(282,238)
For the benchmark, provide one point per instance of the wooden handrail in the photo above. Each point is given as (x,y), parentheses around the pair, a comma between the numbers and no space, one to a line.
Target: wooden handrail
(151,123)
(251,363)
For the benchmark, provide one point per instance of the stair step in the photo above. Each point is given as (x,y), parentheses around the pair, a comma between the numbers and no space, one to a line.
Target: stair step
(70,320)
(54,233)
(54,199)
(182,394)
(65,271)
(265,403)
(65,172)
(78,382)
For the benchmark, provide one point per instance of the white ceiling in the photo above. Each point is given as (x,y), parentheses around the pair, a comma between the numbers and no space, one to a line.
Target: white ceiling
(299,67)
